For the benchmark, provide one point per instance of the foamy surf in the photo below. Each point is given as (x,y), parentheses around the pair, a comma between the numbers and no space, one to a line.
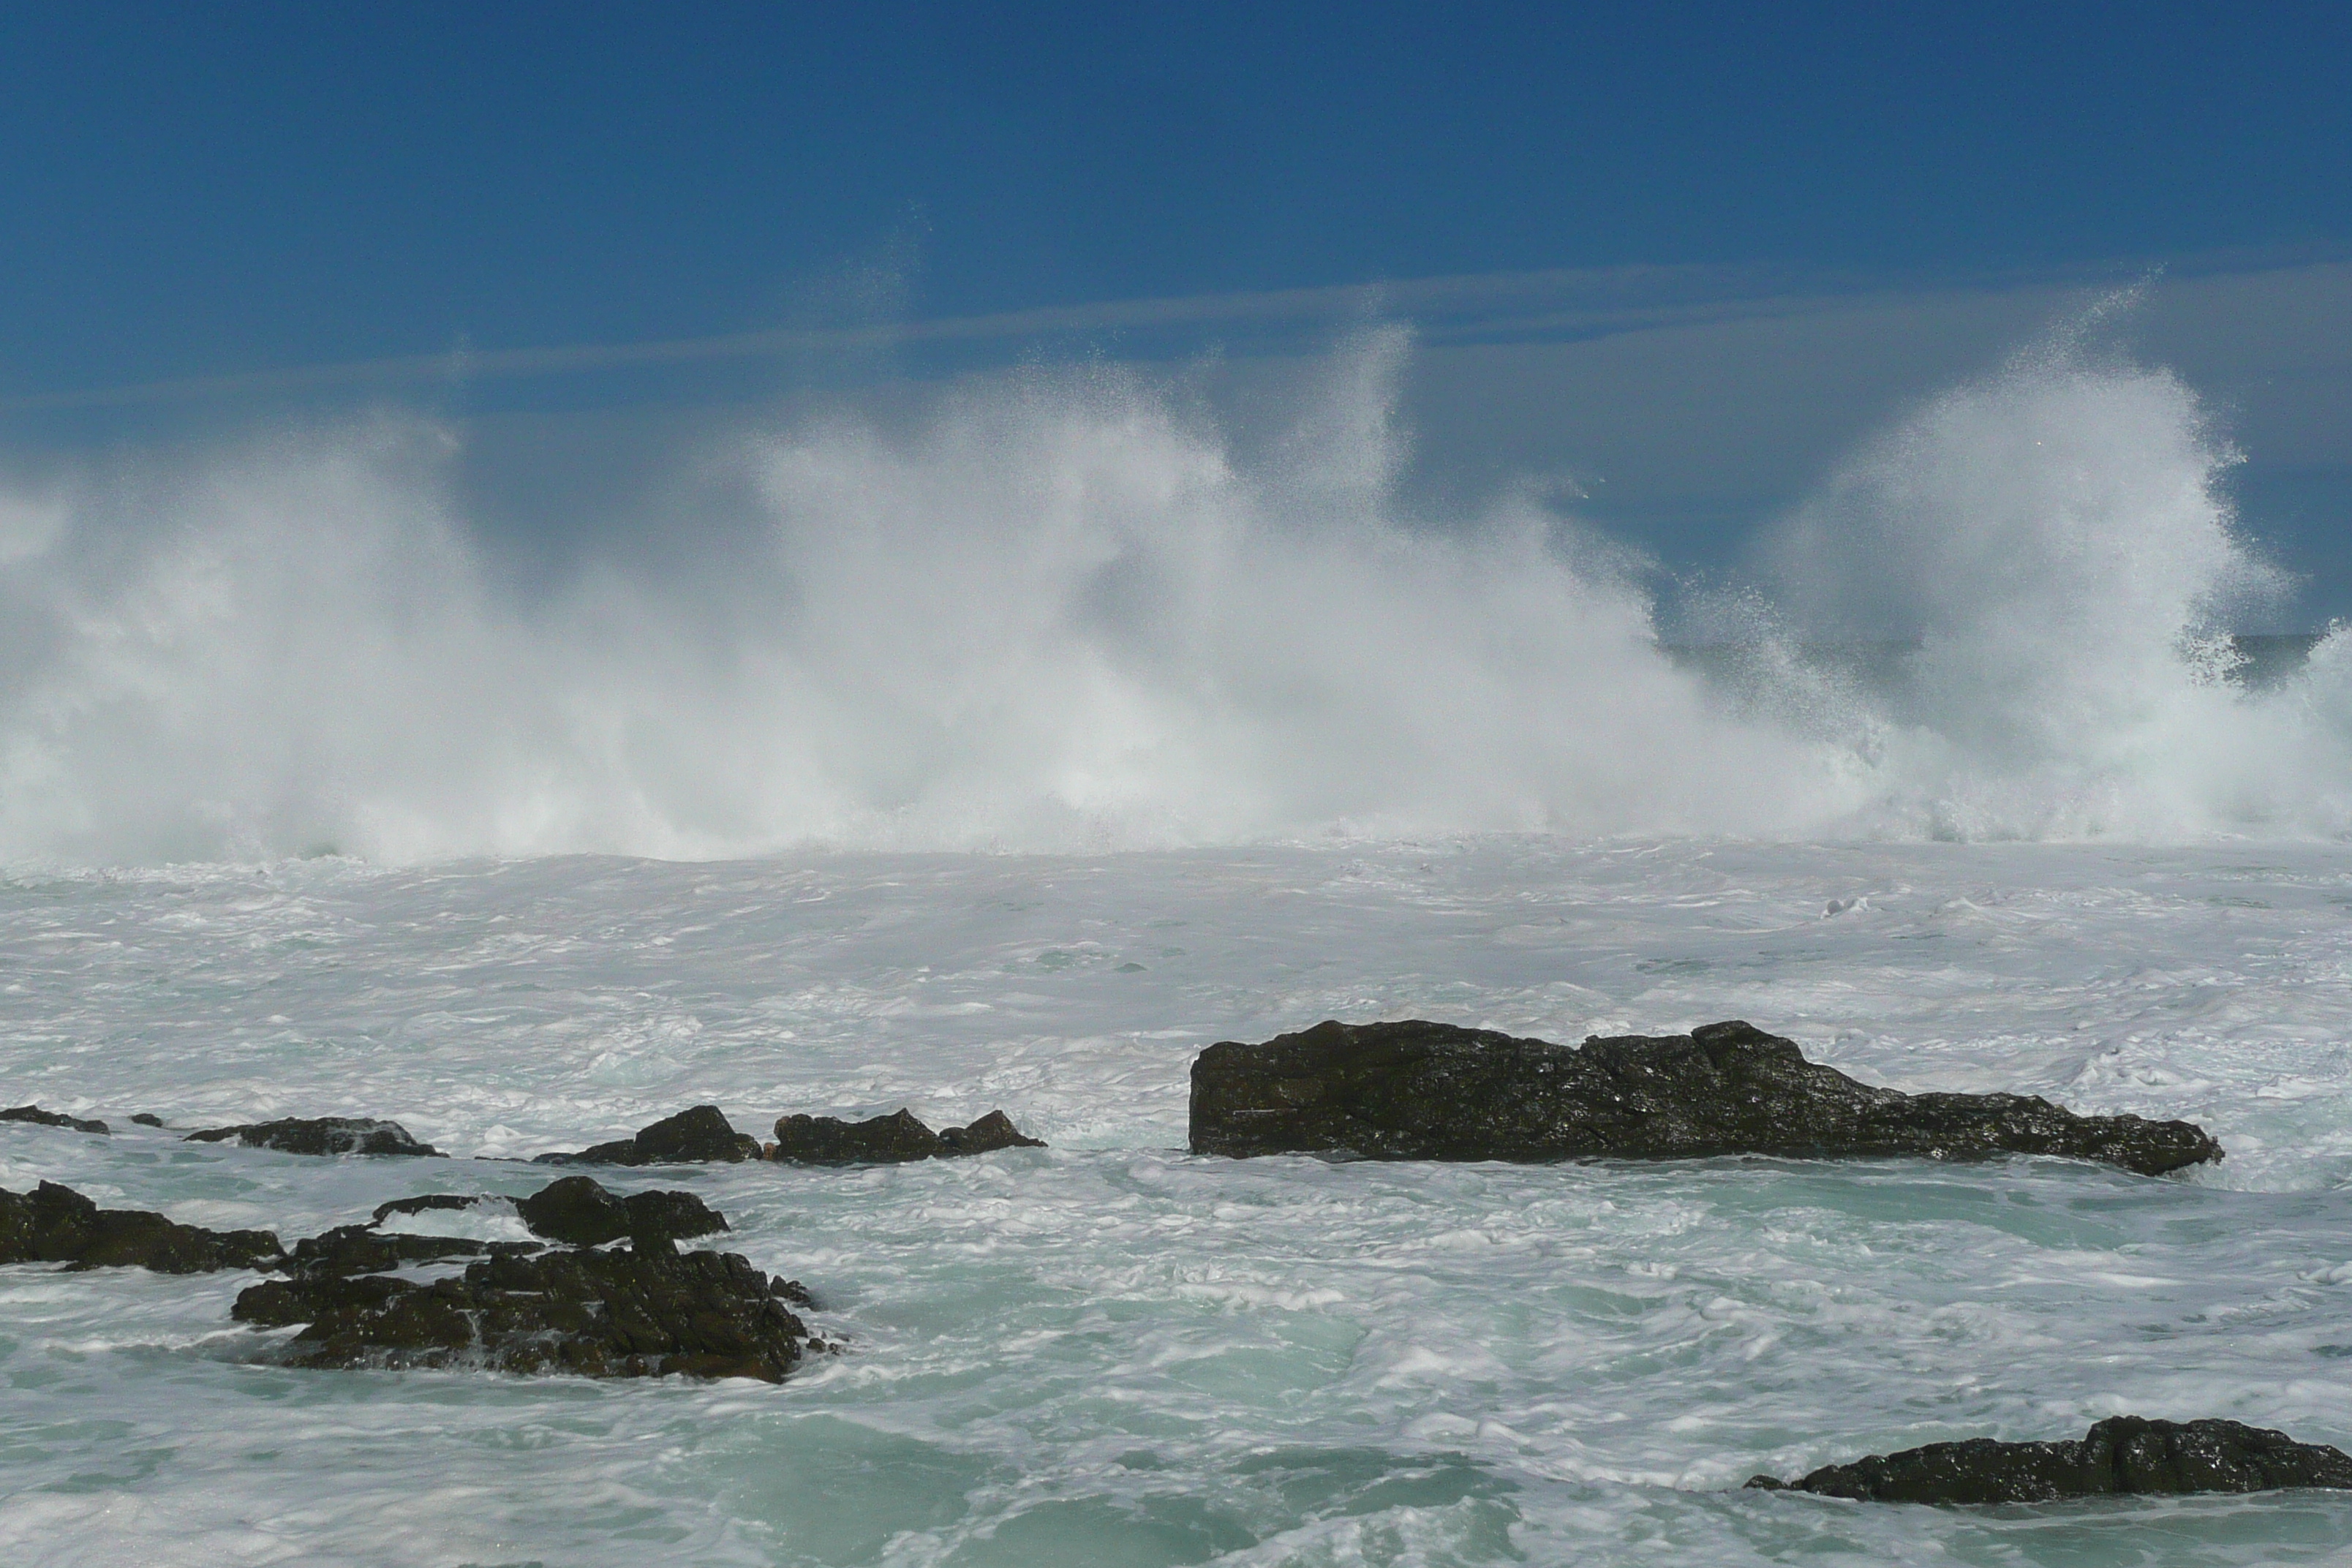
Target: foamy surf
(1111,1351)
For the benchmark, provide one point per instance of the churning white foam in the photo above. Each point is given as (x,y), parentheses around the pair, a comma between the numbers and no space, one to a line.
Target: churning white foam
(1063,612)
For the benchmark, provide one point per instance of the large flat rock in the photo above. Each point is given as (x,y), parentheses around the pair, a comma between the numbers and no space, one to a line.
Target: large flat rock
(1416,1091)
(2120,1456)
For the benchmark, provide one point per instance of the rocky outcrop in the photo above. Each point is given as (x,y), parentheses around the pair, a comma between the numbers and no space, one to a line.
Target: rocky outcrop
(363,1250)
(574,1211)
(56,1224)
(35,1114)
(147,1119)
(1418,1090)
(992,1131)
(319,1135)
(878,1139)
(889,1140)
(2122,1455)
(634,1312)
(699,1135)
(429,1202)
(578,1212)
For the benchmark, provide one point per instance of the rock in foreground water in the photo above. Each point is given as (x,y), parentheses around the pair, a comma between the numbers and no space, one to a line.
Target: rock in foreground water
(891,1140)
(1418,1090)
(578,1212)
(620,1313)
(699,1135)
(363,1250)
(35,1114)
(992,1131)
(56,1224)
(321,1135)
(2122,1455)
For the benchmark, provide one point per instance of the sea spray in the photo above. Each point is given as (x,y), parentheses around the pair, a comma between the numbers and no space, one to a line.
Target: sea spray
(1057,613)
(2054,540)
(1061,611)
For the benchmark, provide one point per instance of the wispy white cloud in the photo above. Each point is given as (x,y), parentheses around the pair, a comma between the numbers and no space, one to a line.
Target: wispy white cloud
(1564,305)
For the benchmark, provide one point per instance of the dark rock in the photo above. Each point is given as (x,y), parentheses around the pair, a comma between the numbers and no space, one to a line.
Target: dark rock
(892,1139)
(992,1131)
(701,1134)
(879,1139)
(321,1135)
(51,1119)
(362,1249)
(56,1224)
(147,1119)
(2122,1455)
(1419,1090)
(419,1205)
(578,1212)
(672,1214)
(622,1313)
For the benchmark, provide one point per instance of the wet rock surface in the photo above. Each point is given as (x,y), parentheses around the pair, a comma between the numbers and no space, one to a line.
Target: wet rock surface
(321,1135)
(634,1312)
(878,1139)
(524,1307)
(2122,1455)
(35,1114)
(578,1212)
(363,1250)
(701,1134)
(891,1140)
(992,1131)
(56,1224)
(429,1202)
(1417,1091)
(147,1119)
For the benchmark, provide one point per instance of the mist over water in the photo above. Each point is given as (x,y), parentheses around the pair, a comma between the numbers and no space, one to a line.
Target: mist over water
(1063,612)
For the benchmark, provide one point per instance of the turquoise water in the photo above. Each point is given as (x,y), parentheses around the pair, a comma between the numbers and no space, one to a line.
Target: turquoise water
(1108,1351)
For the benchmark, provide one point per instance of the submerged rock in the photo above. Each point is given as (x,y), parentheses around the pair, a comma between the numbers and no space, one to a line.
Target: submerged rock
(2122,1455)
(56,1224)
(34,1113)
(321,1135)
(888,1140)
(580,1213)
(699,1135)
(622,1313)
(1417,1091)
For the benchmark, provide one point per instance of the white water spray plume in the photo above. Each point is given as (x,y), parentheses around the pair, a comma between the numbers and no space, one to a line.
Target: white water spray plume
(1063,613)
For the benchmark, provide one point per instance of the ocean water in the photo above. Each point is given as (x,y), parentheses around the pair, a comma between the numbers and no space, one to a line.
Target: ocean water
(1110,1351)
(1009,756)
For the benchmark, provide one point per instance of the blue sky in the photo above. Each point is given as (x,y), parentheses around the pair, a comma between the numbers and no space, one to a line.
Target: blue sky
(200,193)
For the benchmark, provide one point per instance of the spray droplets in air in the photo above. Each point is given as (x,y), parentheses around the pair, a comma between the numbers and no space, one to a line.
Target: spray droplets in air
(1060,611)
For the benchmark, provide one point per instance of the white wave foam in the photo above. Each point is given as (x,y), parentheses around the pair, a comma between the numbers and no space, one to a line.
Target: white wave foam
(1062,612)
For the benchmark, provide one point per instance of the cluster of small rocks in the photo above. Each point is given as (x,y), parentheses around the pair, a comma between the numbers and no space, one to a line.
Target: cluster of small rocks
(570,1303)
(579,1301)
